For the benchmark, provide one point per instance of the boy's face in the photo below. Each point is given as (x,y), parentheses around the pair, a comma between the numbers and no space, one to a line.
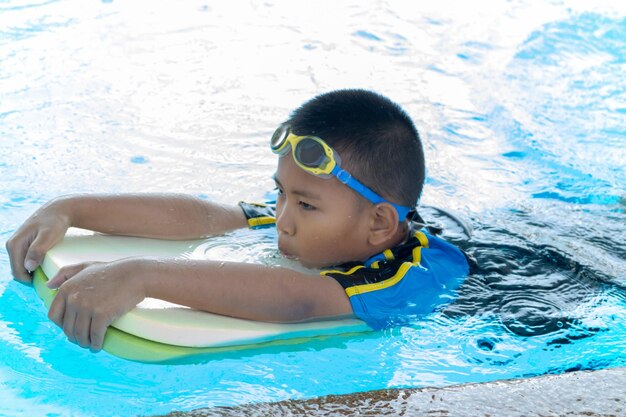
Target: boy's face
(320,222)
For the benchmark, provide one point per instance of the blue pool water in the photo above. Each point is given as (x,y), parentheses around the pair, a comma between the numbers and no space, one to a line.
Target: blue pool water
(522,108)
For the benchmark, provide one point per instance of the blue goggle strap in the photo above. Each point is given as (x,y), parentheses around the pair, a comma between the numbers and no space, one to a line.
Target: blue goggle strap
(353,183)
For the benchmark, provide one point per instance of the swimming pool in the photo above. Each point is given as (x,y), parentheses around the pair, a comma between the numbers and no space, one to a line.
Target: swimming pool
(521,108)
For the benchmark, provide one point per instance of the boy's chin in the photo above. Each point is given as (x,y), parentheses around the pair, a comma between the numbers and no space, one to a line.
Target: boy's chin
(306,263)
(313,264)
(297,265)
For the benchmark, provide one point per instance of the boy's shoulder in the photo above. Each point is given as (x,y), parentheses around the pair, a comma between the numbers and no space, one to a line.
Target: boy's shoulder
(412,279)
(421,250)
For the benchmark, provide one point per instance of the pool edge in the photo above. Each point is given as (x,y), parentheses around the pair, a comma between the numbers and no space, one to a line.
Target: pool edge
(590,393)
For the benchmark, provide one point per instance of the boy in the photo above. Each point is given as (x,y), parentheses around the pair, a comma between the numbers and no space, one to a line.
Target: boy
(350,171)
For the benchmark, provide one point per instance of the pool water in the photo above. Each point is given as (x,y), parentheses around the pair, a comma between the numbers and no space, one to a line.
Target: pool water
(522,110)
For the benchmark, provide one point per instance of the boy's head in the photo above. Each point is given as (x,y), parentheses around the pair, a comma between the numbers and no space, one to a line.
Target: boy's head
(379,146)
(377,141)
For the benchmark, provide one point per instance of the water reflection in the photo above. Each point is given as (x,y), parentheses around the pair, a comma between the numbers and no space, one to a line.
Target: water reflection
(521,110)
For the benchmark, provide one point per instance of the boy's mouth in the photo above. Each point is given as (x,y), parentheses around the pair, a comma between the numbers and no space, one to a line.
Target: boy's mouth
(286,254)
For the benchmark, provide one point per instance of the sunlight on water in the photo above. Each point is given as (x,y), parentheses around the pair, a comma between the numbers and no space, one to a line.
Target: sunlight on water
(521,109)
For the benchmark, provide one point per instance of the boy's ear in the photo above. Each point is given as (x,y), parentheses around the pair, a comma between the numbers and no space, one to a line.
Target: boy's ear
(384,224)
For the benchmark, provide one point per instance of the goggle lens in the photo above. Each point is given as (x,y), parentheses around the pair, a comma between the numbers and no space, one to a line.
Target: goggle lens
(310,153)
(279,137)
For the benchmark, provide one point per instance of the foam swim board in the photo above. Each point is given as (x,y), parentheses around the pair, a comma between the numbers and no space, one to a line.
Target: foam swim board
(158,331)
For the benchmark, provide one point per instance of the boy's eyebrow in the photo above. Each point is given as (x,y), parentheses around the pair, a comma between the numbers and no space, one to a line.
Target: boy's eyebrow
(302,193)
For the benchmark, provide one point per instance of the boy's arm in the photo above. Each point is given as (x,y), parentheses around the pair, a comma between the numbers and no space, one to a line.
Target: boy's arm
(248,291)
(166,216)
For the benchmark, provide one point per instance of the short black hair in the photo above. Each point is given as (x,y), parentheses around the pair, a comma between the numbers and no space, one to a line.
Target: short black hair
(375,138)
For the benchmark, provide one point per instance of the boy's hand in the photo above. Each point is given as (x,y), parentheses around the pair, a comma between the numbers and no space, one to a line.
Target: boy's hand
(91,297)
(29,244)
(67,272)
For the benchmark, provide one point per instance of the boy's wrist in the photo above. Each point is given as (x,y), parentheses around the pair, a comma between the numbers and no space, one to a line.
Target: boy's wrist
(143,271)
(64,208)
(76,209)
(139,271)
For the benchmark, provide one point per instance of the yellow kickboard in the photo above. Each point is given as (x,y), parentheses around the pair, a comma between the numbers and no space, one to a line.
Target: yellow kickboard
(158,331)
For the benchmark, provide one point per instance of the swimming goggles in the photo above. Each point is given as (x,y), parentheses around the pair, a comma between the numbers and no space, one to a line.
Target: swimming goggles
(314,156)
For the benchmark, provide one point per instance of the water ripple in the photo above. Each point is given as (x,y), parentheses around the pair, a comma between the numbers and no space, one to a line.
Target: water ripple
(521,109)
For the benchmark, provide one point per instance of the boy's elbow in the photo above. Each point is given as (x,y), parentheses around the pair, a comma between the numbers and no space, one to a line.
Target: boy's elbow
(322,299)
(298,310)
(306,308)
(292,308)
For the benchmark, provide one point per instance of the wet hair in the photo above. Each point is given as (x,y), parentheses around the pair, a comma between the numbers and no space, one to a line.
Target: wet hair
(374,137)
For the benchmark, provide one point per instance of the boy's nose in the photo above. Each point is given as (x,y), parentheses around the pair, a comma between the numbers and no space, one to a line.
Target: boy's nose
(284,222)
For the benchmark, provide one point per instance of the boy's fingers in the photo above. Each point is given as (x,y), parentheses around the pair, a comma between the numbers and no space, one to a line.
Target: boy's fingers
(98,329)
(56,281)
(57,310)
(37,250)
(64,274)
(69,322)
(82,330)
(17,252)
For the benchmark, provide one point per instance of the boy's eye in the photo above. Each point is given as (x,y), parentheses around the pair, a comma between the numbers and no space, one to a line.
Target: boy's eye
(279,191)
(306,206)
